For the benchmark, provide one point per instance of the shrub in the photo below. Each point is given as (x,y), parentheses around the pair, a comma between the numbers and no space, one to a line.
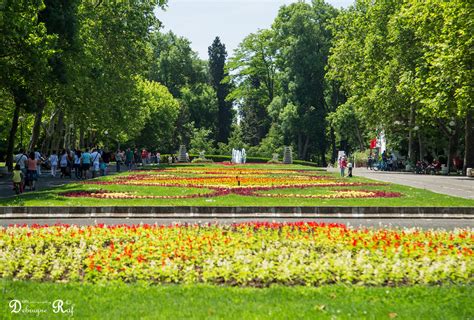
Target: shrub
(199,160)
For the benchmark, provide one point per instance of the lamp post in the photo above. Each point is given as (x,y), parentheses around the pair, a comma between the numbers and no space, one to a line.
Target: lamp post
(21,119)
(106,136)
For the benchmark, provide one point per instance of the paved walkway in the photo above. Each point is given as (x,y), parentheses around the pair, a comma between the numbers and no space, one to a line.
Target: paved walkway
(457,186)
(45,181)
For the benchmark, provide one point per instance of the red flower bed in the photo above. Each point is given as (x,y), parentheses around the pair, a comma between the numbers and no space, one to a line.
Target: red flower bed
(240,181)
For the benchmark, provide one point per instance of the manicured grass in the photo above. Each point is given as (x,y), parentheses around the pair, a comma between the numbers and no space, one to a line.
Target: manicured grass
(142,301)
(409,196)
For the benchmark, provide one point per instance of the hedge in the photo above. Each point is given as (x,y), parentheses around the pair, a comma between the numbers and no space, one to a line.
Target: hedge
(222,158)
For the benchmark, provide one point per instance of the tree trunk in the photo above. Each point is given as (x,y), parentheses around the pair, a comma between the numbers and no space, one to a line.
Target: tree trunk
(81,138)
(11,137)
(73,143)
(359,136)
(469,141)
(58,133)
(49,131)
(333,145)
(411,123)
(37,125)
(450,146)
(305,148)
(420,144)
(300,146)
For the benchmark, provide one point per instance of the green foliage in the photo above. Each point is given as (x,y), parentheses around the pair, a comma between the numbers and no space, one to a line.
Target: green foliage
(304,39)
(319,79)
(253,74)
(272,143)
(359,158)
(202,141)
(175,64)
(199,160)
(201,102)
(156,113)
(404,65)
(217,59)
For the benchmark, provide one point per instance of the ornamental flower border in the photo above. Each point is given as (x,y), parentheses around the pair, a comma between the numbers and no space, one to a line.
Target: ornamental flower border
(224,181)
(243,191)
(246,254)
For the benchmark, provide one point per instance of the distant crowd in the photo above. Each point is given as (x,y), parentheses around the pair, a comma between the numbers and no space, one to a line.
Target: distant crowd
(81,164)
(390,162)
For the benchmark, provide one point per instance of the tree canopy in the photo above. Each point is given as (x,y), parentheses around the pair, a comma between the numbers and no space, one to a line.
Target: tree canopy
(320,79)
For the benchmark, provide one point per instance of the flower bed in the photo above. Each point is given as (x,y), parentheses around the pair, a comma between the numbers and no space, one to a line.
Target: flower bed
(244,191)
(105,194)
(232,180)
(255,254)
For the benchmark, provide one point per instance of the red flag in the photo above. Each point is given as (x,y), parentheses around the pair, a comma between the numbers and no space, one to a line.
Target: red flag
(373,143)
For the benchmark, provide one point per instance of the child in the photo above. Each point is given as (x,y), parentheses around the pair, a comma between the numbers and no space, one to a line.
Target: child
(17,179)
(349,167)
(103,167)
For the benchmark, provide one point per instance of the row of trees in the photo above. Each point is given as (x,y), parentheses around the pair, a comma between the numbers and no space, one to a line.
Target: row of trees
(74,70)
(406,67)
(82,73)
(323,79)
(78,73)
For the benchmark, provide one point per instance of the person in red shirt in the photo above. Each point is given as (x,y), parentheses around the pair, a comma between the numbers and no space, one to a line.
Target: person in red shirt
(435,166)
(343,165)
(144,156)
(373,143)
(32,174)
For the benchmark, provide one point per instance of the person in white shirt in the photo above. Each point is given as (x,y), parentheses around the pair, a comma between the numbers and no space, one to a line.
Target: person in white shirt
(77,164)
(53,160)
(95,158)
(158,158)
(64,164)
(20,159)
(118,159)
(38,158)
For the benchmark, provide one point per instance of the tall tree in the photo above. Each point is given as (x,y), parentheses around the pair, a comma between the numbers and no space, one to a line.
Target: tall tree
(175,64)
(304,38)
(25,47)
(253,74)
(217,60)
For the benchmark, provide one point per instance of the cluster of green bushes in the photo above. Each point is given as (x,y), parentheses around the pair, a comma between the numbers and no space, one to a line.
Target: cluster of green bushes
(194,158)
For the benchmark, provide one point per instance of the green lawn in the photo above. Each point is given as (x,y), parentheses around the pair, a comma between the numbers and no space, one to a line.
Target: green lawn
(141,301)
(409,196)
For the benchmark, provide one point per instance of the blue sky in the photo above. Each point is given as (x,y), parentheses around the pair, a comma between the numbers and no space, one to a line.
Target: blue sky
(202,20)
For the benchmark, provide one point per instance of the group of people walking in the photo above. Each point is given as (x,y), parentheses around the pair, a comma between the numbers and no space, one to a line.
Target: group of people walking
(80,162)
(132,159)
(75,163)
(26,171)
(27,168)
